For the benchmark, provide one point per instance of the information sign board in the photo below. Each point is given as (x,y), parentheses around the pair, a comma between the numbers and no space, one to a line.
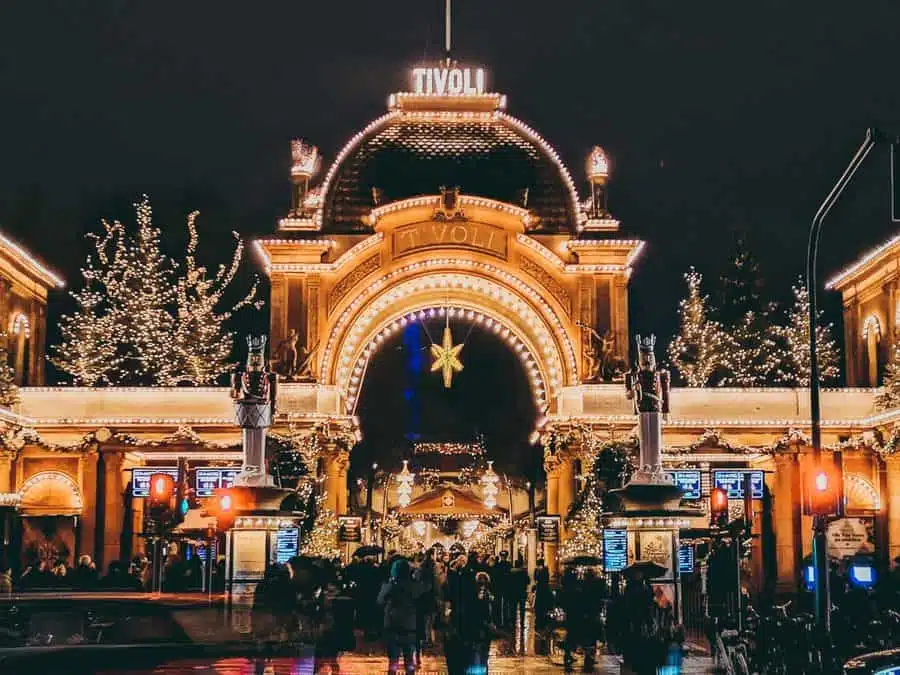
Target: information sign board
(140,478)
(615,550)
(733,482)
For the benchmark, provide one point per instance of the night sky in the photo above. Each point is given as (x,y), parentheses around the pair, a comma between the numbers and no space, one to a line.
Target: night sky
(720,117)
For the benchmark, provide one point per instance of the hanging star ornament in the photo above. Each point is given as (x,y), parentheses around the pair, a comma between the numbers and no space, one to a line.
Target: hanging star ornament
(446,357)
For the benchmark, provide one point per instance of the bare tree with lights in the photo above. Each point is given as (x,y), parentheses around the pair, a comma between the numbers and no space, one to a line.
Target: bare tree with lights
(793,341)
(699,351)
(137,321)
(9,392)
(141,295)
(889,397)
(93,347)
(200,343)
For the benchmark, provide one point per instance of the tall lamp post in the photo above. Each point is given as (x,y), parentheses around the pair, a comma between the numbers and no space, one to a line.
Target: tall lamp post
(820,521)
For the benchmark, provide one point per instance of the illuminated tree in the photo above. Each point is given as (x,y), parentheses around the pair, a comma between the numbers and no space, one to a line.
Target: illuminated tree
(889,397)
(138,322)
(793,342)
(93,348)
(750,355)
(321,540)
(700,349)
(9,392)
(141,297)
(200,344)
(583,525)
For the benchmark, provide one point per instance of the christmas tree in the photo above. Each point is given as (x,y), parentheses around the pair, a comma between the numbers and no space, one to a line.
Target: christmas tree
(699,351)
(141,300)
(321,540)
(750,355)
(9,392)
(889,397)
(200,344)
(583,525)
(793,340)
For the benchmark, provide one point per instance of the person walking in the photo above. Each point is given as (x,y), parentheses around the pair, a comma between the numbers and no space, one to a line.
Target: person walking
(543,595)
(399,596)
(458,592)
(517,593)
(479,626)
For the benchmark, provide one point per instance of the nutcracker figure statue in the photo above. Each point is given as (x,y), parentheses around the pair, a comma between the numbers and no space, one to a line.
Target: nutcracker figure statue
(253,391)
(648,388)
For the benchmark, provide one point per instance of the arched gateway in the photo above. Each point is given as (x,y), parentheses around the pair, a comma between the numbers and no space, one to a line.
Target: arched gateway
(446,204)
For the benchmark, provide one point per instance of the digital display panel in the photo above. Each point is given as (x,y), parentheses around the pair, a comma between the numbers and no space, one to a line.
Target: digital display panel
(206,481)
(615,550)
(140,478)
(286,544)
(686,559)
(733,482)
(689,481)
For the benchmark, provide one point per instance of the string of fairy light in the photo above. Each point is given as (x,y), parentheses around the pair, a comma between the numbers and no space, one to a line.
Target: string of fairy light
(143,318)
(751,353)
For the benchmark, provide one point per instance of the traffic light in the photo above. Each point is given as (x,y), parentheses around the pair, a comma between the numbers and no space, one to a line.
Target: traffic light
(225,509)
(718,507)
(183,493)
(822,491)
(162,491)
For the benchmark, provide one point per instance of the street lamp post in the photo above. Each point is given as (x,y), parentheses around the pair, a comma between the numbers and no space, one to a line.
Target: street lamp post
(820,522)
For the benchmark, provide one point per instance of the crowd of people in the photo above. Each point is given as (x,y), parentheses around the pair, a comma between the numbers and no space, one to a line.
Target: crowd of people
(467,599)
(178,573)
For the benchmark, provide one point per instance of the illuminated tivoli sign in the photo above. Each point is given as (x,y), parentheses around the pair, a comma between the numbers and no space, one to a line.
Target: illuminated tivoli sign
(480,236)
(448,81)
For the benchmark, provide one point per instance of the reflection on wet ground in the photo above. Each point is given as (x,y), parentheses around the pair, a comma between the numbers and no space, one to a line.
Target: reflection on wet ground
(523,652)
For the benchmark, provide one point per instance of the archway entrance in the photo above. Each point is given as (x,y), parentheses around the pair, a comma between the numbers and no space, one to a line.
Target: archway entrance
(466,450)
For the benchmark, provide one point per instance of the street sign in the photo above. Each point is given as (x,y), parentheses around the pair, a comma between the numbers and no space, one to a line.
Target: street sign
(732,481)
(689,481)
(207,481)
(140,478)
(686,559)
(547,529)
(615,550)
(287,542)
(350,529)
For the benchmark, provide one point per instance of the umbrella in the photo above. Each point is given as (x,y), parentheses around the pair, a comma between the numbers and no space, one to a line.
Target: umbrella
(366,551)
(644,569)
(584,561)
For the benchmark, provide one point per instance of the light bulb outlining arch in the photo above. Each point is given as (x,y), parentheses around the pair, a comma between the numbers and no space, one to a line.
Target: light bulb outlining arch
(512,335)
(496,285)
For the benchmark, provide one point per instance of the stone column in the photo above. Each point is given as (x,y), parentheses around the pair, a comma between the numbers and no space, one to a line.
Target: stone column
(113,496)
(87,540)
(892,504)
(6,469)
(786,517)
(566,492)
(619,318)
(552,467)
(336,463)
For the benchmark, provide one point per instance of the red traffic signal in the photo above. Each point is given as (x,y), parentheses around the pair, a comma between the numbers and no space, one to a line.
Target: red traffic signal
(162,489)
(823,490)
(225,509)
(718,507)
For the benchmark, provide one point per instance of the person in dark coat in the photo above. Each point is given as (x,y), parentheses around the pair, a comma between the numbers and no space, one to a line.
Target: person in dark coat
(399,596)
(479,625)
(517,593)
(458,592)
(273,605)
(543,595)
